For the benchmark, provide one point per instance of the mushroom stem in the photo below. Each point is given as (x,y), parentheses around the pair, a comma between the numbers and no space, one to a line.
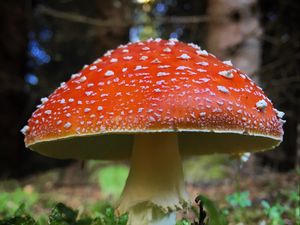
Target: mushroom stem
(155,186)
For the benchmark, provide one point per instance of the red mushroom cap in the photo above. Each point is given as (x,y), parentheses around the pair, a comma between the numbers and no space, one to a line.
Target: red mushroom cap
(154,86)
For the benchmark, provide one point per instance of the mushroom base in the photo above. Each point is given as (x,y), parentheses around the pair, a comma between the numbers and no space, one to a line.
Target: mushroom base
(155,186)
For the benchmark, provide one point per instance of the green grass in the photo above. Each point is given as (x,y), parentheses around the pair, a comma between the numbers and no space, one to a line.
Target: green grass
(239,209)
(27,206)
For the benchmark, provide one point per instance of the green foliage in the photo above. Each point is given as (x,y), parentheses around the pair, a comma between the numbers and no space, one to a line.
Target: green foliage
(237,209)
(274,213)
(294,198)
(183,222)
(18,207)
(278,212)
(239,199)
(64,215)
(20,217)
(215,215)
(11,201)
(18,220)
(112,179)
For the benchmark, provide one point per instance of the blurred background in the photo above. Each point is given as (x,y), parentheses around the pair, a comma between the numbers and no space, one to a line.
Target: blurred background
(43,42)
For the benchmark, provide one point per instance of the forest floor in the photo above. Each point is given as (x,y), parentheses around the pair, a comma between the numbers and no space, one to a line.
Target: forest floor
(238,191)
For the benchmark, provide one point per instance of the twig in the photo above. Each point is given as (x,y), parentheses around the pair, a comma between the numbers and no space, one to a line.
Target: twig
(77,18)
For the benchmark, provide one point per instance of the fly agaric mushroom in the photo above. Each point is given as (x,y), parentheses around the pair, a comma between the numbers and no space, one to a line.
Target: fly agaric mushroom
(153,102)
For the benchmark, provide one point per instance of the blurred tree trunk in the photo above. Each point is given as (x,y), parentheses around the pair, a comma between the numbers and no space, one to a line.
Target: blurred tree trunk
(298,146)
(233,32)
(13,56)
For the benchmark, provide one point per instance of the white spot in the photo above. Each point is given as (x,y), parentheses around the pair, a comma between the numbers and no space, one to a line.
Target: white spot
(160,74)
(226,73)
(202,113)
(68,115)
(223,89)
(160,82)
(170,43)
(261,104)
(79,102)
(48,112)
(93,67)
(108,53)
(228,62)
(25,129)
(62,101)
(138,67)
(63,84)
(144,57)
(88,93)
(194,46)
(103,95)
(145,48)
(184,56)
(87,110)
(140,110)
(97,61)
(163,66)
(157,90)
(44,100)
(109,73)
(151,118)
(67,125)
(90,85)
(202,63)
(73,76)
(127,57)
(167,50)
(114,60)
(82,79)
(58,122)
(182,67)
(201,70)
(99,108)
(202,52)
(71,99)
(173,39)
(279,113)
(155,61)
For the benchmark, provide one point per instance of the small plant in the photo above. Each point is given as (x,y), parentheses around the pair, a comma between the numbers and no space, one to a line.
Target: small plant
(212,216)
(10,202)
(237,202)
(293,205)
(274,213)
(239,199)
(183,222)
(64,215)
